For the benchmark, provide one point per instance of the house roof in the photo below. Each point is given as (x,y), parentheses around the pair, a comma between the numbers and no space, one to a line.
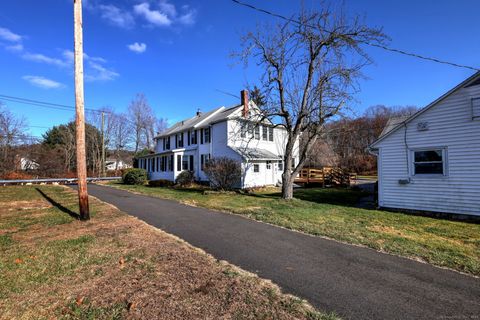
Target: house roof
(204,119)
(470,81)
(190,123)
(256,154)
(392,123)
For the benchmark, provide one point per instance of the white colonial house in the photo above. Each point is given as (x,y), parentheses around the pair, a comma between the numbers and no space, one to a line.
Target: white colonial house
(236,132)
(430,161)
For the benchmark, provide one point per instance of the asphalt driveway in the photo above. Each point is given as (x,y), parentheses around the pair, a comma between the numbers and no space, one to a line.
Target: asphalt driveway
(354,282)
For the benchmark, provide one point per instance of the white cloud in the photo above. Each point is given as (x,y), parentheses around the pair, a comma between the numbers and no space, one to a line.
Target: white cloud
(8,35)
(188,18)
(97,72)
(137,47)
(116,16)
(155,17)
(43,82)
(15,48)
(38,57)
(167,8)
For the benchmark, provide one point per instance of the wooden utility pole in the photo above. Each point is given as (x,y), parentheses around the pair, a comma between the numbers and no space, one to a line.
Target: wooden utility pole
(80,113)
(103,144)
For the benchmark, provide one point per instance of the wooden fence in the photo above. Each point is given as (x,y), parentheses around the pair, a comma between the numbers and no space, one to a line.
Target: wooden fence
(325,176)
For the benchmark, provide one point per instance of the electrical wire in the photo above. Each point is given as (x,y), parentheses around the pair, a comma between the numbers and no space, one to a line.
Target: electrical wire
(376,45)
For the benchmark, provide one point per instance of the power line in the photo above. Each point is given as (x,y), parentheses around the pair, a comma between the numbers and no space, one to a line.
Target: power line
(43,104)
(376,45)
(227,93)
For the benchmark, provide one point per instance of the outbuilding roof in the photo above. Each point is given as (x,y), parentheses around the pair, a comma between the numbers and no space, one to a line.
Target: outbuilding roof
(470,81)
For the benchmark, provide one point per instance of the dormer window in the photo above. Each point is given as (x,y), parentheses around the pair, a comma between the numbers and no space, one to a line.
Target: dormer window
(476,108)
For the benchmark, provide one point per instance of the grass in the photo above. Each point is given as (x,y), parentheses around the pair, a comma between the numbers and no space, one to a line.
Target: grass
(115,267)
(331,213)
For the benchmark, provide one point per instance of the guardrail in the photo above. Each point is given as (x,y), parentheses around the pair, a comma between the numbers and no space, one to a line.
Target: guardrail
(53,181)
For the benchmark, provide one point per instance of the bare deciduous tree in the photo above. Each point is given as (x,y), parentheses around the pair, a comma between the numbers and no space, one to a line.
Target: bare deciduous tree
(310,71)
(142,118)
(12,131)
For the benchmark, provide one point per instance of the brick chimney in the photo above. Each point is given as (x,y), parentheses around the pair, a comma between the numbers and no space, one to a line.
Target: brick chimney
(244,98)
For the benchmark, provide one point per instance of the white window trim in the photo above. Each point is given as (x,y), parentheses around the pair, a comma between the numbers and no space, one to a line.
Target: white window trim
(411,158)
(475,117)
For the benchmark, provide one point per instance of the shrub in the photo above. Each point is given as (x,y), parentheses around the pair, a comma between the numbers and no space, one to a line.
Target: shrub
(223,173)
(135,176)
(185,178)
(160,183)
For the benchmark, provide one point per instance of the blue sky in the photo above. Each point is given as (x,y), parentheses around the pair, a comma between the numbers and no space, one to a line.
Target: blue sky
(177,52)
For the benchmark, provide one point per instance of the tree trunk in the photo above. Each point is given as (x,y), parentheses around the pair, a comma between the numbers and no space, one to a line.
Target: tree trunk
(287,186)
(287,179)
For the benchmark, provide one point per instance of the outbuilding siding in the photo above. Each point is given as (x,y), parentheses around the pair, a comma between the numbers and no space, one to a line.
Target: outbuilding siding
(450,126)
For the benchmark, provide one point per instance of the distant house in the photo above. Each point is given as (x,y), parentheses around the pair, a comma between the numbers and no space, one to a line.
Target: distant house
(25,164)
(237,132)
(114,164)
(430,161)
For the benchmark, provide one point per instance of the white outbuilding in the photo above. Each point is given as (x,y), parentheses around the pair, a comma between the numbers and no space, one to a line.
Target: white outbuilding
(430,161)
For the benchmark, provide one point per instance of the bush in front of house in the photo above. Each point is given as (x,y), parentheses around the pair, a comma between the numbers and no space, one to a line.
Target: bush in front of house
(185,178)
(160,183)
(135,176)
(224,173)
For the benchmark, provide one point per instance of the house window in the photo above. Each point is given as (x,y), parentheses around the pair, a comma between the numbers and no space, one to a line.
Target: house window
(476,108)
(179,163)
(269,165)
(204,160)
(430,161)
(207,135)
(265,133)
(185,162)
(250,129)
(243,129)
(280,165)
(257,132)
(194,137)
(180,140)
(256,168)
(167,143)
(270,134)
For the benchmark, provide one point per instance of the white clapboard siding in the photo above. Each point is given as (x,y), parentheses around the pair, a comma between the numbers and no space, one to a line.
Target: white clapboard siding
(450,126)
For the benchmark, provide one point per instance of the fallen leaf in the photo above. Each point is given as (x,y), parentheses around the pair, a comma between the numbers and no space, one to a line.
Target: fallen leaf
(79,300)
(131,305)
(18,261)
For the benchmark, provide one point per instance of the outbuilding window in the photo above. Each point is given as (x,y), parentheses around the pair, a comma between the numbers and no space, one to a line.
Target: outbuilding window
(429,161)
(476,108)
(256,168)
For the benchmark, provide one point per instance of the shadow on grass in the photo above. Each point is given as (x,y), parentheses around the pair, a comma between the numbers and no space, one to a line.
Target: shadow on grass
(58,205)
(333,196)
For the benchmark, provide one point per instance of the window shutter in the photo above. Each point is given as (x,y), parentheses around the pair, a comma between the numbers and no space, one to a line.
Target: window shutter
(176,141)
(191,163)
(201,136)
(189,137)
(179,163)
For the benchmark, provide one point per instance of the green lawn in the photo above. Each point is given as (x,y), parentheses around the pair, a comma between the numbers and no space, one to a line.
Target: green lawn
(331,213)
